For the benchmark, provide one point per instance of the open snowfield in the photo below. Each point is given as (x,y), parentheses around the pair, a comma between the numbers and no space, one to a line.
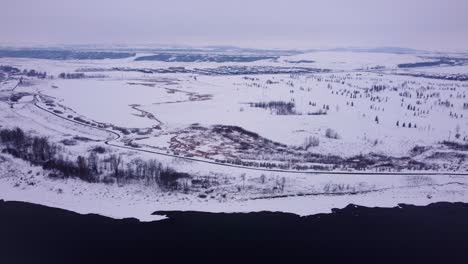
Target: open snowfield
(246,128)
(348,60)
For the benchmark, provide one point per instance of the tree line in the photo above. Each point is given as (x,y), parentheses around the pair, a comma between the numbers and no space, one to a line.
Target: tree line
(71,75)
(277,107)
(95,167)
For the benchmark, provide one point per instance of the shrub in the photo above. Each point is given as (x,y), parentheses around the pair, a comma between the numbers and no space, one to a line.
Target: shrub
(108,180)
(330,133)
(99,149)
(69,142)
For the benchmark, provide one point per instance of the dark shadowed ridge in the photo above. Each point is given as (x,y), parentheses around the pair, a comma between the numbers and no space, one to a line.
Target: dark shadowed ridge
(434,233)
(62,54)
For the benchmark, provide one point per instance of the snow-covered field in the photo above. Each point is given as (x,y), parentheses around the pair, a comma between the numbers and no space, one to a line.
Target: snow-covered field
(197,121)
(22,182)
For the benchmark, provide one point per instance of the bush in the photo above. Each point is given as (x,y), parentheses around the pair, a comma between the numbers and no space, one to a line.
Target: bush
(330,133)
(99,149)
(69,142)
(108,180)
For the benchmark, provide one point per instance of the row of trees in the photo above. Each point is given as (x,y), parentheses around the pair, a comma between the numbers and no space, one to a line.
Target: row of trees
(278,107)
(71,75)
(34,73)
(9,69)
(404,125)
(29,73)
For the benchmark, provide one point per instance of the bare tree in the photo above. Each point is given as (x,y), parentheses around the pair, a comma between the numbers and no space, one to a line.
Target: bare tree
(282,184)
(115,162)
(243,180)
(83,170)
(93,162)
(262,178)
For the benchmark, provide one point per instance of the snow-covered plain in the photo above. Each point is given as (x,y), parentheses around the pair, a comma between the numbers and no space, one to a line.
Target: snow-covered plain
(361,96)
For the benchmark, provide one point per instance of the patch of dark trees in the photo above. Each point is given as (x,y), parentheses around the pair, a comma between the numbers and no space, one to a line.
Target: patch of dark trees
(382,162)
(222,70)
(40,151)
(81,120)
(256,70)
(448,77)
(456,145)
(277,107)
(234,129)
(156,71)
(318,112)
(438,61)
(231,131)
(25,72)
(322,162)
(34,73)
(417,150)
(300,61)
(377,88)
(451,156)
(9,69)
(426,64)
(62,54)
(184,57)
(79,75)
(17,96)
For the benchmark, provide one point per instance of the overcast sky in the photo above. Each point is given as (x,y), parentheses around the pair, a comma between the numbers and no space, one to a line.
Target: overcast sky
(427,24)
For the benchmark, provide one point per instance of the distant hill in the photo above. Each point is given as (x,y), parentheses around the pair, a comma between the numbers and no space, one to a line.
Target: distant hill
(62,54)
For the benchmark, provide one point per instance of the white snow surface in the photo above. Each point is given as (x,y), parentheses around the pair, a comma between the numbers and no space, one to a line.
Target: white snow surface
(178,100)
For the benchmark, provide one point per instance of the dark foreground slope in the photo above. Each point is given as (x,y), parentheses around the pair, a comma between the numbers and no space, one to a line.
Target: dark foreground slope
(437,233)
